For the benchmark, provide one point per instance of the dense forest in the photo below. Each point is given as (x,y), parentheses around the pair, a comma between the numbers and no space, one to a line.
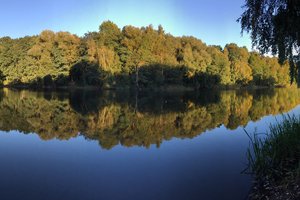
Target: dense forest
(119,118)
(132,57)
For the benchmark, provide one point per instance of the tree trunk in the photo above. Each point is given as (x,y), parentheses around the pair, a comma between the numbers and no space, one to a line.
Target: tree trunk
(137,77)
(136,101)
(162,72)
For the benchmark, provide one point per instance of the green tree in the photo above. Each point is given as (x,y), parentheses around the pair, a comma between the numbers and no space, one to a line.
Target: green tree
(275,27)
(220,65)
(109,35)
(138,51)
(240,71)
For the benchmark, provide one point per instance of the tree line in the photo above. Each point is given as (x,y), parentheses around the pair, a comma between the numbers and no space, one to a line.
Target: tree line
(132,57)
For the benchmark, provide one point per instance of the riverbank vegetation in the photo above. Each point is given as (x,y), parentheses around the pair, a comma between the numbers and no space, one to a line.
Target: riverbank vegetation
(133,57)
(275,28)
(275,161)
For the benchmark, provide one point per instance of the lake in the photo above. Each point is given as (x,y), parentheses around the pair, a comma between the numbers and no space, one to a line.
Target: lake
(121,145)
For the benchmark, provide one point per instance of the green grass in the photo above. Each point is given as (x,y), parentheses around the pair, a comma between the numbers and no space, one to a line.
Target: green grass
(275,159)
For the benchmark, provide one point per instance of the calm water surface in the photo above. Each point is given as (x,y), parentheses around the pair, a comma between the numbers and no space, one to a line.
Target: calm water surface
(110,145)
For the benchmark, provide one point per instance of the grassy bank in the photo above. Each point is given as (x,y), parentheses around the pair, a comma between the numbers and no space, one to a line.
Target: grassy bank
(275,161)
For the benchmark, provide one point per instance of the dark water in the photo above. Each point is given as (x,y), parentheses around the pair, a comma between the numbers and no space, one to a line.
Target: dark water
(111,145)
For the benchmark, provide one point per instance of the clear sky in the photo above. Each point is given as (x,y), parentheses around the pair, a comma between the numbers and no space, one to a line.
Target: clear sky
(213,21)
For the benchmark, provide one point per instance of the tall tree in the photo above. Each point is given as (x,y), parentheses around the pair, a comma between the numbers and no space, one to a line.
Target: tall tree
(275,27)
(220,65)
(240,71)
(137,46)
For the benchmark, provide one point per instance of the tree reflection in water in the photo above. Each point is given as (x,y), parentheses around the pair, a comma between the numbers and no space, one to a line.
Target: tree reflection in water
(114,118)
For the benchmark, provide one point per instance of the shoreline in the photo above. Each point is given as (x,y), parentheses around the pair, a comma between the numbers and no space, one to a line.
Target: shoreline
(171,88)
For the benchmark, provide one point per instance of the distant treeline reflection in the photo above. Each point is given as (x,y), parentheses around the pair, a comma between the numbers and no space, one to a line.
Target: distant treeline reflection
(129,119)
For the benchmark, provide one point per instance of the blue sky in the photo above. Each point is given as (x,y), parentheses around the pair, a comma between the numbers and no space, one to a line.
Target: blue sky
(213,21)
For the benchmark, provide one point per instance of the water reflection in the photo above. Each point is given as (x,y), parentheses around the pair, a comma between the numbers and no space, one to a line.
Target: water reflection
(128,119)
